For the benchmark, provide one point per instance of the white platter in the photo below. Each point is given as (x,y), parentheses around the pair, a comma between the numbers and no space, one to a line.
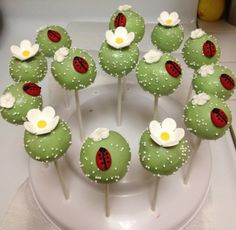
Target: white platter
(130,198)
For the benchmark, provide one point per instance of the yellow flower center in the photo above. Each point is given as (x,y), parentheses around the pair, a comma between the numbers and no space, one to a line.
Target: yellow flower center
(41,124)
(119,40)
(165,136)
(169,21)
(26,53)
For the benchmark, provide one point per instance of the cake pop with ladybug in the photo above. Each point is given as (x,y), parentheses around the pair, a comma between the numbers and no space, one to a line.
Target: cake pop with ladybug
(214,79)
(200,49)
(207,116)
(51,38)
(73,68)
(159,73)
(131,20)
(18,99)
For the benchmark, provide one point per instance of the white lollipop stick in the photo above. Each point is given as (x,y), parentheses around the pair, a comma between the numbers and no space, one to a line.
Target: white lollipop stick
(189,93)
(66,98)
(62,182)
(155,108)
(107,202)
(119,101)
(79,115)
(124,89)
(190,164)
(154,198)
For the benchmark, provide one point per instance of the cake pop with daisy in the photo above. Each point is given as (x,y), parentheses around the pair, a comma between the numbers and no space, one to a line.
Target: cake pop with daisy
(28,64)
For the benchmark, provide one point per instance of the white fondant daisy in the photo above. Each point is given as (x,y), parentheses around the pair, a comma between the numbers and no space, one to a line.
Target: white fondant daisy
(197,33)
(206,70)
(41,122)
(152,56)
(120,38)
(99,134)
(7,101)
(124,7)
(167,19)
(25,51)
(166,134)
(200,99)
(60,54)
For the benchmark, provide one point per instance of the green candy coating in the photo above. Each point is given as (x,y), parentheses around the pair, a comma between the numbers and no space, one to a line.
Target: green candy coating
(193,52)
(66,75)
(118,62)
(154,78)
(49,47)
(48,147)
(30,70)
(120,154)
(159,160)
(197,118)
(23,103)
(211,84)
(167,38)
(134,23)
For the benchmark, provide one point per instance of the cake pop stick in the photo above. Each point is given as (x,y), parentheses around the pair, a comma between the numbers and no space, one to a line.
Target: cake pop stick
(62,181)
(189,95)
(154,198)
(118,55)
(79,115)
(47,138)
(74,69)
(162,151)
(66,99)
(119,101)
(207,117)
(104,158)
(155,107)
(107,201)
(158,73)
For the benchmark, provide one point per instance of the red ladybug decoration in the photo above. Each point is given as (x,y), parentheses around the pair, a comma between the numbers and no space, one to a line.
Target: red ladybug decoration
(80,65)
(32,89)
(227,81)
(209,49)
(54,36)
(173,68)
(120,20)
(103,159)
(219,118)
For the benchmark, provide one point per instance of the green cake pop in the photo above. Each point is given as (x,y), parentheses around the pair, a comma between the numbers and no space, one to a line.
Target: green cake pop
(51,38)
(46,138)
(200,49)
(207,116)
(167,35)
(129,19)
(27,63)
(73,68)
(18,99)
(215,80)
(118,55)
(105,156)
(163,150)
(158,73)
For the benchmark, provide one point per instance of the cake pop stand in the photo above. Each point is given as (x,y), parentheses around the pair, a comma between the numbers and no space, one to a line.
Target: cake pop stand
(130,199)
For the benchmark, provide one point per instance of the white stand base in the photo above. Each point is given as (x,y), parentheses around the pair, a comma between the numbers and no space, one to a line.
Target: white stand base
(130,199)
